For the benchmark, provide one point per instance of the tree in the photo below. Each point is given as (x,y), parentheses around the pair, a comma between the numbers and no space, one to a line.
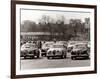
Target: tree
(46,23)
(76,26)
(28,26)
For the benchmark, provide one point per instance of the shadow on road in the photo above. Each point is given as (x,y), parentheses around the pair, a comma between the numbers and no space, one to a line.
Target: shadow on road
(22,58)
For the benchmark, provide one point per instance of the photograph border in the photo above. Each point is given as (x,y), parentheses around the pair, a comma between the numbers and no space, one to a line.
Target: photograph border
(13,38)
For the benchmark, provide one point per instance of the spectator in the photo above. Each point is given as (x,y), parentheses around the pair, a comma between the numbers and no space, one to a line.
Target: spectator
(39,43)
(54,40)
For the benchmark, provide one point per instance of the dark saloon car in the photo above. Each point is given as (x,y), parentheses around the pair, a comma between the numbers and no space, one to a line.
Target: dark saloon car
(30,50)
(80,51)
(45,47)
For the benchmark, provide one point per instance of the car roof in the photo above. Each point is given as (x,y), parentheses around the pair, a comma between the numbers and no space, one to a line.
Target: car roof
(58,44)
(29,44)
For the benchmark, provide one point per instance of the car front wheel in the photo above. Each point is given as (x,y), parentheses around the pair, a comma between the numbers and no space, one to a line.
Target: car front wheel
(49,57)
(64,56)
(24,57)
(73,58)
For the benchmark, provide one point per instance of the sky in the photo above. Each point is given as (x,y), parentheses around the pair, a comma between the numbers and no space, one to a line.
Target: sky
(36,14)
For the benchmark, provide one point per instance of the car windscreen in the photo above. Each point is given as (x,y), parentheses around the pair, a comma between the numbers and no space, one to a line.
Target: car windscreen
(58,46)
(47,44)
(80,46)
(29,46)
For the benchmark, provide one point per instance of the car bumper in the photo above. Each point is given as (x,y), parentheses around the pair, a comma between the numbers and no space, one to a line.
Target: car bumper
(55,55)
(80,56)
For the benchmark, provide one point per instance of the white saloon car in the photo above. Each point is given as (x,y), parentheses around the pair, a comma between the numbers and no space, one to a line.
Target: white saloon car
(57,50)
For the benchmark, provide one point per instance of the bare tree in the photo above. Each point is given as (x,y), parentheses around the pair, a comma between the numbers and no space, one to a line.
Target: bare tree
(61,25)
(46,24)
(28,26)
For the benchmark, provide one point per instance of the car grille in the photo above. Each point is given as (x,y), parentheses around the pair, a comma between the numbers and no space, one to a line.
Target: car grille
(30,52)
(55,52)
(79,52)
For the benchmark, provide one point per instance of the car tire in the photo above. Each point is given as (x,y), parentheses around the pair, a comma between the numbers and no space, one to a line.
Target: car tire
(45,55)
(87,57)
(73,58)
(64,56)
(48,57)
(32,57)
(38,56)
(24,57)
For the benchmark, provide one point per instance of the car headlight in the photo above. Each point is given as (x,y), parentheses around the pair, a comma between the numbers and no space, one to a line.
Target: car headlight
(24,51)
(58,51)
(80,51)
(49,52)
(54,51)
(37,50)
(63,51)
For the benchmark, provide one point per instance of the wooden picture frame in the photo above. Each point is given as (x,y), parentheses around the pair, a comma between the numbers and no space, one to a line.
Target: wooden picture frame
(14,21)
